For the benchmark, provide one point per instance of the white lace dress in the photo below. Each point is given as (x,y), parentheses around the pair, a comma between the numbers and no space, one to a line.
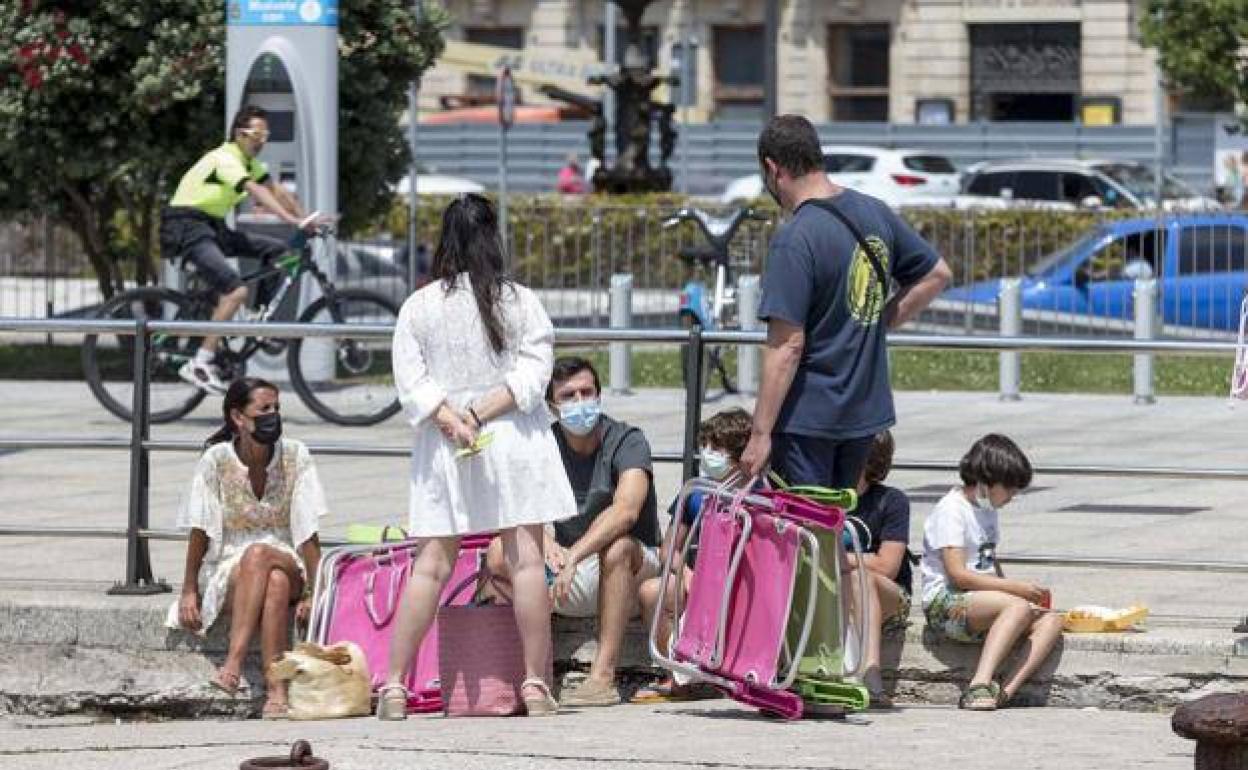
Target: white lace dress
(441,353)
(222,503)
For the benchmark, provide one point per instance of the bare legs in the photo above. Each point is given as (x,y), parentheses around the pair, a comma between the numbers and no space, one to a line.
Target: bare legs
(264,584)
(1007,618)
(522,549)
(419,604)
(617,589)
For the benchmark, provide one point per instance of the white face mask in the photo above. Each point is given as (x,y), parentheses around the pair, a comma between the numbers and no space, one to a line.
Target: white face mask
(713,464)
(981,498)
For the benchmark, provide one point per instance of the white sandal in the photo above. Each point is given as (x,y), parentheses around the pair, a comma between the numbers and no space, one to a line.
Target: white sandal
(392,703)
(542,704)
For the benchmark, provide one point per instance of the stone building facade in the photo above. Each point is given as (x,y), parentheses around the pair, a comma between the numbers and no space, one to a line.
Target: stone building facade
(905,61)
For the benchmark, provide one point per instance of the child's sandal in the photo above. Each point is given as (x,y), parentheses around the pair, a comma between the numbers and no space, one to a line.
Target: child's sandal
(979,697)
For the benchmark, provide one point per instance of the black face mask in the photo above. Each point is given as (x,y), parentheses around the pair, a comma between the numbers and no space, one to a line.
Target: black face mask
(268,428)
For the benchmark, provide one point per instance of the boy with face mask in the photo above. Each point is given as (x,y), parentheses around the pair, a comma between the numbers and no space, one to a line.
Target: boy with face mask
(721,439)
(966,596)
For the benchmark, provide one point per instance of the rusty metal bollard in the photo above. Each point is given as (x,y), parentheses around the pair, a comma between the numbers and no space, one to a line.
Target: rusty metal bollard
(300,757)
(1219,725)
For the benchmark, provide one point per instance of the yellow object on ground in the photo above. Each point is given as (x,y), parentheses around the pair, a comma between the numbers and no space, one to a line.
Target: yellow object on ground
(1092,620)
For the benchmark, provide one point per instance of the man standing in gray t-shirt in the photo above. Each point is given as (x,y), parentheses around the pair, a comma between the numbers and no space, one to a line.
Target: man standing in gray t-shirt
(825,390)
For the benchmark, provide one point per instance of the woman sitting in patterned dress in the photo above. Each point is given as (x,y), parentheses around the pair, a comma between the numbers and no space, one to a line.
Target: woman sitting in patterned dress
(252,511)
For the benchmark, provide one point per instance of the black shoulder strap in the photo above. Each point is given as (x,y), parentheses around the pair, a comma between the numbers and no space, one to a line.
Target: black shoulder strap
(827,205)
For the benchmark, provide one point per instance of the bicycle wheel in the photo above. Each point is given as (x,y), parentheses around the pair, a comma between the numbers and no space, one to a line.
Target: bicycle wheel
(346,380)
(108,360)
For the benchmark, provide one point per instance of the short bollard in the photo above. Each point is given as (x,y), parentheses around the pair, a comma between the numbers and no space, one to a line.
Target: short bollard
(620,372)
(1219,725)
(1145,297)
(748,355)
(300,757)
(1010,319)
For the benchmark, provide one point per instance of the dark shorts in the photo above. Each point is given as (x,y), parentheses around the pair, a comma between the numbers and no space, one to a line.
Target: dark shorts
(204,242)
(832,463)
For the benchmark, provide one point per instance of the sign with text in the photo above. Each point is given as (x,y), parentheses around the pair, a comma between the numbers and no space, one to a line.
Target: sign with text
(296,13)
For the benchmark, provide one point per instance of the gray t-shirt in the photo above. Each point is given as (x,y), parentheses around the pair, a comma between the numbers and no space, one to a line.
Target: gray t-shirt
(594,478)
(819,278)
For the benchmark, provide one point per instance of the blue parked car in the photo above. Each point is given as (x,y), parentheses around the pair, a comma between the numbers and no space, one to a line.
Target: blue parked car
(1199,261)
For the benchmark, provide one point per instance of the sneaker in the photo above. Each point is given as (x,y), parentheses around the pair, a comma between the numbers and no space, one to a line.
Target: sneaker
(591,693)
(202,376)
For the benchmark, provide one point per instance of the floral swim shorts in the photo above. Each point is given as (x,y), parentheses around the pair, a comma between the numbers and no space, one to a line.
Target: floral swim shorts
(948,615)
(897,622)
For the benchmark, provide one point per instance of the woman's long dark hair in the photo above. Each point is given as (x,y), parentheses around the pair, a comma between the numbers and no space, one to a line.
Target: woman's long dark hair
(470,244)
(238,396)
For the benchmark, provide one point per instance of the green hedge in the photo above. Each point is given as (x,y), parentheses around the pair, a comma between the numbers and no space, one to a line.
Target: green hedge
(578,242)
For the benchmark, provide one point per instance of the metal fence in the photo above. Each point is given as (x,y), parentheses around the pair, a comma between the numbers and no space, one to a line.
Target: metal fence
(1077,267)
(138,533)
(720,151)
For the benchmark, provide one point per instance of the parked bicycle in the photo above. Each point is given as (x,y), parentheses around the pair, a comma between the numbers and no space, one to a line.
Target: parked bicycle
(346,380)
(713,309)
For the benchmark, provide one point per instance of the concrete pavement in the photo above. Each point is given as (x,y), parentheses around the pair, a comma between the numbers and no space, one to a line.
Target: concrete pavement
(1086,516)
(716,734)
(52,606)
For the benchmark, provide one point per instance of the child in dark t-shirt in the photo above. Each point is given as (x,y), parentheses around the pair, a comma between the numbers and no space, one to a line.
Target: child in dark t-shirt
(721,439)
(885,511)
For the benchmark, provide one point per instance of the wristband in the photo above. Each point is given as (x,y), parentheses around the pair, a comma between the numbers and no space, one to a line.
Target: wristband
(476,418)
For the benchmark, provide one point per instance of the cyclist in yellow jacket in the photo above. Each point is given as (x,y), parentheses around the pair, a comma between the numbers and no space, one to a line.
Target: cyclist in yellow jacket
(193,226)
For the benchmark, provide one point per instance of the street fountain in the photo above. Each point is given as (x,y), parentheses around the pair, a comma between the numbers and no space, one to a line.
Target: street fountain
(635,112)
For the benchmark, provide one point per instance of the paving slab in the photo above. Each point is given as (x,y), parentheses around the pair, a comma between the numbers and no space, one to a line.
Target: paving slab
(716,734)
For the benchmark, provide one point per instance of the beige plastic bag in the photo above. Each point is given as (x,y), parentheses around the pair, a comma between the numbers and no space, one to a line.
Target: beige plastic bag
(1093,620)
(325,682)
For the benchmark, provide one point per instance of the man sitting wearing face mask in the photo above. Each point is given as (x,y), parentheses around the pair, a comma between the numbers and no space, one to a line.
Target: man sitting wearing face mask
(598,557)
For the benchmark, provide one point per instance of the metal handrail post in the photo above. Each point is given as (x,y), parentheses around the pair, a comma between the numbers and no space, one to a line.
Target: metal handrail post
(1145,297)
(139,580)
(693,401)
(1010,320)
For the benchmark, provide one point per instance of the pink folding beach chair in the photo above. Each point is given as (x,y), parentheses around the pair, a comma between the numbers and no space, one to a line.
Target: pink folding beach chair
(732,631)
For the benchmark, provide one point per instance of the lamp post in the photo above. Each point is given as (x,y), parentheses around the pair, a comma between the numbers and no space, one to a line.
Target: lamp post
(413,200)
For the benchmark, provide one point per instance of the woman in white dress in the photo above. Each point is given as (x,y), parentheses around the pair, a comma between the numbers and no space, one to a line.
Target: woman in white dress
(472,355)
(252,511)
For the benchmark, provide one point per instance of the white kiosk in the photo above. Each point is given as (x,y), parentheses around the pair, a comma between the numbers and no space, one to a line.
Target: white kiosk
(282,55)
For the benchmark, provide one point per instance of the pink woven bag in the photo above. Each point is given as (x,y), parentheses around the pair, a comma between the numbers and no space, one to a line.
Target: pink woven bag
(480,658)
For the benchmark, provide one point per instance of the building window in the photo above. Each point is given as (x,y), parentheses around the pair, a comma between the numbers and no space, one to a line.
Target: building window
(738,73)
(858,63)
(481,88)
(1025,72)
(650,38)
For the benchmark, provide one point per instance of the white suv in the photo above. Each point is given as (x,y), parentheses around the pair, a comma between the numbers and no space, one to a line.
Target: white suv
(897,177)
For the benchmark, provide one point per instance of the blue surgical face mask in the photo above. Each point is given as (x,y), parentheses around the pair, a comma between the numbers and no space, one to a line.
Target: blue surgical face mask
(713,464)
(580,417)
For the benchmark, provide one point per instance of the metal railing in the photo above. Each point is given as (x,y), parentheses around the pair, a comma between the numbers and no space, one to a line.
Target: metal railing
(138,532)
(568,252)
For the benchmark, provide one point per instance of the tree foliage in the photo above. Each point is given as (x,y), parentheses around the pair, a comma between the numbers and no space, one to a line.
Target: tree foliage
(105,103)
(1200,45)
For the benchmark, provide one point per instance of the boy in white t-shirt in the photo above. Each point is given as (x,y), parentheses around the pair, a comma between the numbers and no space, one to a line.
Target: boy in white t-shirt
(966,597)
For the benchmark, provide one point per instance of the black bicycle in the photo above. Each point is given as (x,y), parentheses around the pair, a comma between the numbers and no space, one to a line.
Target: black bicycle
(346,380)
